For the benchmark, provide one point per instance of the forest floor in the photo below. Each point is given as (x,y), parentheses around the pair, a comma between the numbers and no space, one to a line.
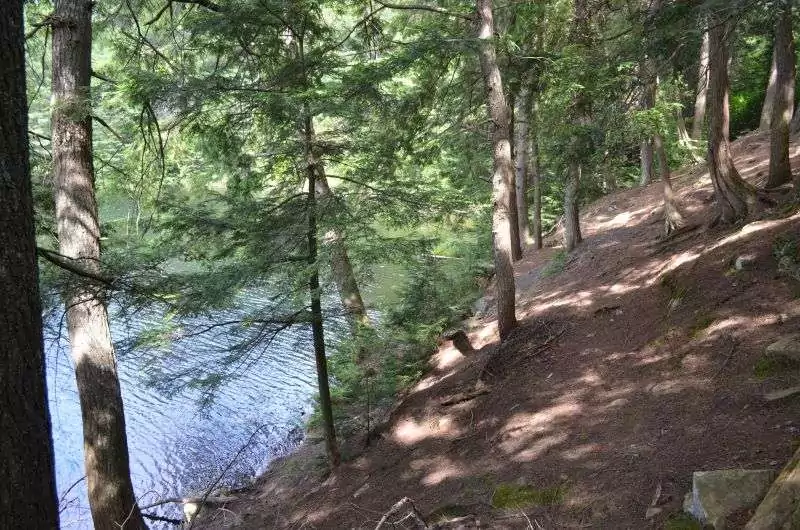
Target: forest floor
(637,361)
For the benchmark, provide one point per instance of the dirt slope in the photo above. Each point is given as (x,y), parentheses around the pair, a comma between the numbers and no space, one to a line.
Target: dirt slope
(633,367)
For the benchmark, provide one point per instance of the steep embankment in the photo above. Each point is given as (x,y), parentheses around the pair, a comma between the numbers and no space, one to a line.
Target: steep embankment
(634,366)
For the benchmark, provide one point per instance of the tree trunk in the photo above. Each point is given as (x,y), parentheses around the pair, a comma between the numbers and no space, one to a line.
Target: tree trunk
(572,224)
(646,158)
(673,217)
(317,327)
(534,172)
(111,495)
(27,489)
(794,127)
(648,101)
(702,90)
(771,92)
(734,196)
(521,153)
(780,170)
(341,268)
(503,177)
(779,509)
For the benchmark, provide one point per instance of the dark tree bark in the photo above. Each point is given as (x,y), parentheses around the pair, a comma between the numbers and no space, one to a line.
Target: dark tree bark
(646,153)
(317,328)
(580,112)
(111,495)
(699,119)
(735,198)
(572,221)
(27,488)
(503,177)
(521,154)
(780,170)
(673,216)
(534,173)
(770,93)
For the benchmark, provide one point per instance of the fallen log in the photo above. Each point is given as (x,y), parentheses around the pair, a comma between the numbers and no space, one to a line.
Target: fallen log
(780,509)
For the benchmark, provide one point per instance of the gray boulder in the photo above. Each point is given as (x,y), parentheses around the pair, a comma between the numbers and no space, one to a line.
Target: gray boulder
(716,495)
(787,347)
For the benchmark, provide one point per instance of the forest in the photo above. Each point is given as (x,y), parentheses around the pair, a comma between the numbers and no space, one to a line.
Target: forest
(308,264)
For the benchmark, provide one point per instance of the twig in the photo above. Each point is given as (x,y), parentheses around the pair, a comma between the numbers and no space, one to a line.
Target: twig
(227,468)
(405,502)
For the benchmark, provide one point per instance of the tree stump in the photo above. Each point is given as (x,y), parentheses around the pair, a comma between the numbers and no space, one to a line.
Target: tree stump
(460,341)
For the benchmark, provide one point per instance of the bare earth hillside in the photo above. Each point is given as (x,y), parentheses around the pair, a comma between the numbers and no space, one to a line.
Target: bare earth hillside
(637,362)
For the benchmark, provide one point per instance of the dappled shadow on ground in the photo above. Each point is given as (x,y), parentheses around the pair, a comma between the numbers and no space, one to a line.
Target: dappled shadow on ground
(632,368)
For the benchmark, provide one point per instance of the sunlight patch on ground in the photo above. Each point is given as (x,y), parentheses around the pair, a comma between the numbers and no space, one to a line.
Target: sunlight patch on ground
(437,469)
(409,431)
(536,449)
(580,452)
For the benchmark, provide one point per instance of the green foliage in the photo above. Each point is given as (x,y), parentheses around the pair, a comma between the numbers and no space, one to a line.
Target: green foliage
(516,497)
(556,265)
(682,521)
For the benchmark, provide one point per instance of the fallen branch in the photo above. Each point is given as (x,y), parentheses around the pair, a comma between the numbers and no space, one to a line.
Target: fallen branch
(463,396)
(407,503)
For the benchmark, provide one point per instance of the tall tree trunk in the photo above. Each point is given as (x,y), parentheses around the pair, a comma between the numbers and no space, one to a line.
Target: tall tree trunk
(534,172)
(780,170)
(673,217)
(317,327)
(580,116)
(27,488)
(341,268)
(503,177)
(572,221)
(771,92)
(734,196)
(702,90)
(648,101)
(111,496)
(521,153)
(646,158)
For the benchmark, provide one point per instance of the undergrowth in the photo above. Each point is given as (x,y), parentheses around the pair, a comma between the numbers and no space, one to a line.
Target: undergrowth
(370,370)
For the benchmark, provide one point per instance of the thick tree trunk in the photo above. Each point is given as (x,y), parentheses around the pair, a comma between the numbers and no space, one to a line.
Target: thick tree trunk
(534,173)
(734,196)
(503,177)
(769,95)
(341,268)
(111,495)
(521,153)
(673,217)
(572,224)
(698,121)
(317,327)
(780,170)
(27,488)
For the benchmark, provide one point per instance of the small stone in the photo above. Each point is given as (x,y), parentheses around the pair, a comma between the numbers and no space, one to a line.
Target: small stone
(745,261)
(361,490)
(718,494)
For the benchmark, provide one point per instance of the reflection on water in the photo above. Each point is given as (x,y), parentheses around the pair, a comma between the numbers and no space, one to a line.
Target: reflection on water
(176,448)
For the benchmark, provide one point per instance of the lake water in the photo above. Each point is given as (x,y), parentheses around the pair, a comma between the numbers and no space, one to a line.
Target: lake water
(176,447)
